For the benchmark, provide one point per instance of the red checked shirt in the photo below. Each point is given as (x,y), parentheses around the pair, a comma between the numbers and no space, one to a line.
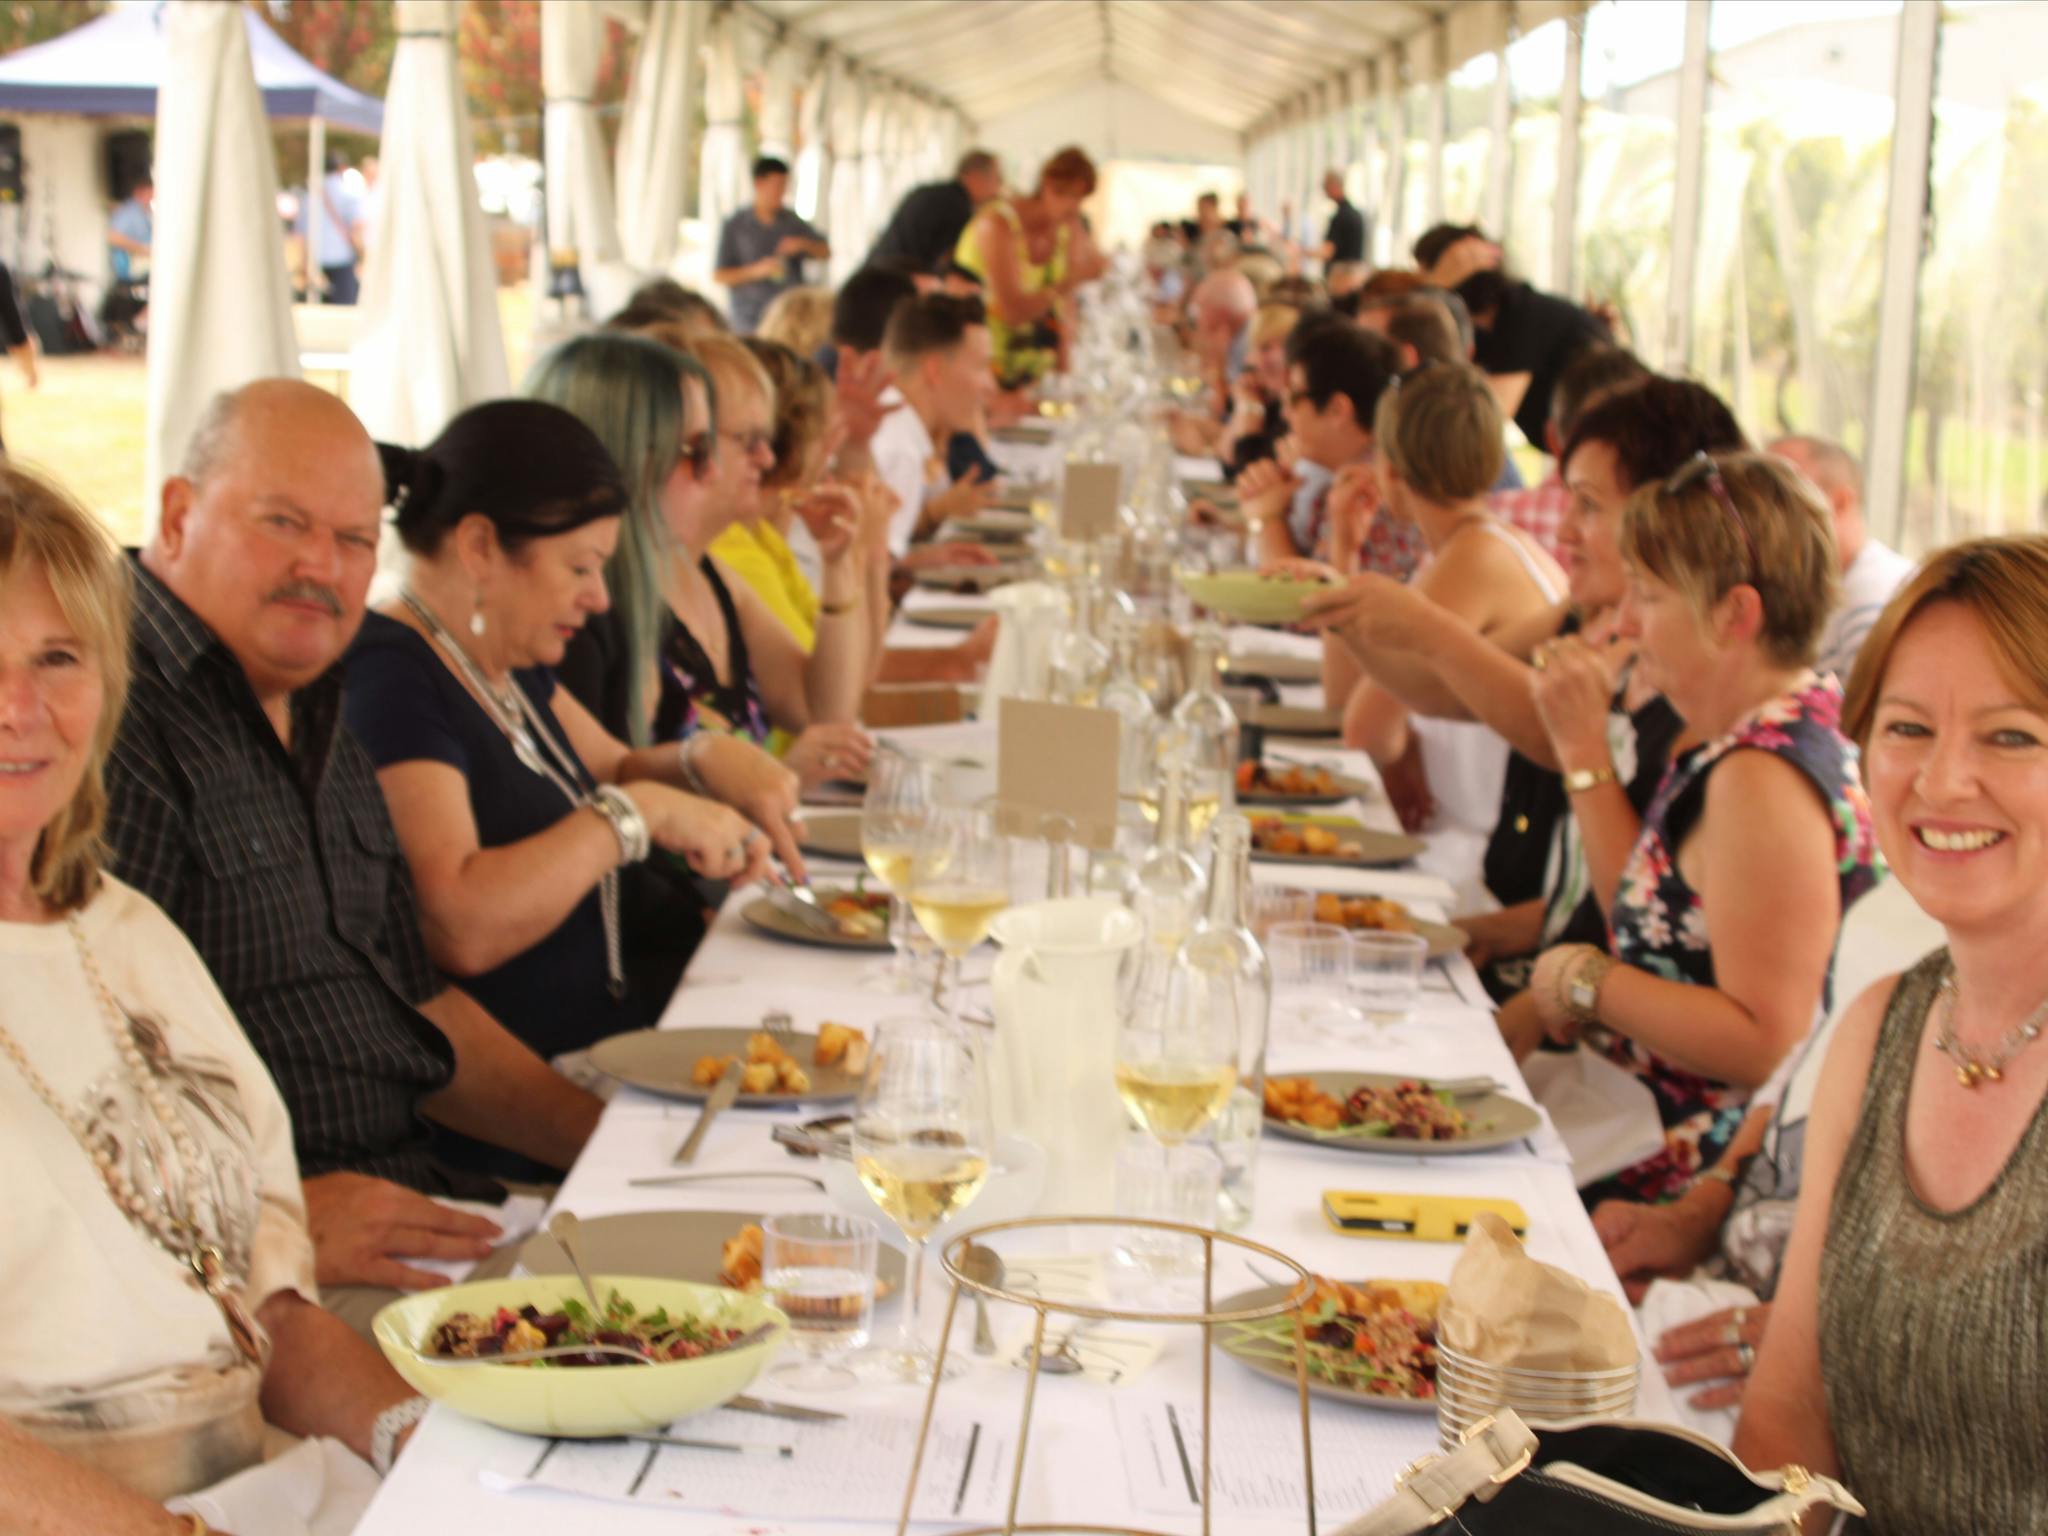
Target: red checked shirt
(1537,510)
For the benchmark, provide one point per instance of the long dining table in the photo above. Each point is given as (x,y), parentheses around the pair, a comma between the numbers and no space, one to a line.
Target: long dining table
(1094,1452)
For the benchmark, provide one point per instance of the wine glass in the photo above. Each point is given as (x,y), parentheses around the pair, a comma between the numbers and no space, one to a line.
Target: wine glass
(921,1146)
(1176,1059)
(959,882)
(893,813)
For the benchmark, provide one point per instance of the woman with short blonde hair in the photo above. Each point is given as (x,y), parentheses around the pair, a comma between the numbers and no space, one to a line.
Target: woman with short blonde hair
(1759,837)
(799,318)
(158,1307)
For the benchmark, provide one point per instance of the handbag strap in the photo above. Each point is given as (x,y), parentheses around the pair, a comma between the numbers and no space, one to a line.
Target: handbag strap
(1490,1453)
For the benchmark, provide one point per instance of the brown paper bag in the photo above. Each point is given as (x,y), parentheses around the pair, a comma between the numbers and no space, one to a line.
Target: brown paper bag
(1506,1309)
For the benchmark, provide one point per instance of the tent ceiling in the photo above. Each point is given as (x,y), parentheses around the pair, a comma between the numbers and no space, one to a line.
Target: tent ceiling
(1235,63)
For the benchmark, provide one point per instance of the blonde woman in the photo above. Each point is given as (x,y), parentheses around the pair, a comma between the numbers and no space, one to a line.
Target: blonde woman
(800,319)
(144,1143)
(1758,838)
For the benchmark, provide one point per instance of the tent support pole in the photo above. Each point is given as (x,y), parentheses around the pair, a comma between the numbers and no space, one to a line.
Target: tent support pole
(316,204)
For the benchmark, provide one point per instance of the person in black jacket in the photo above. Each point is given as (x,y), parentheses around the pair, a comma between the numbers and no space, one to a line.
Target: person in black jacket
(927,223)
(1525,340)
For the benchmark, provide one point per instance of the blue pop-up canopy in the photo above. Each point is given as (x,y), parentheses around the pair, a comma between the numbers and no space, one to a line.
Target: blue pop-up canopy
(110,68)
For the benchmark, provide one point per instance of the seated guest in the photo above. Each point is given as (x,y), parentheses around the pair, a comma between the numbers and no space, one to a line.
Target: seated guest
(1904,1351)
(1258,395)
(240,803)
(1758,839)
(1871,570)
(514,808)
(1422,324)
(665,299)
(800,319)
(1026,251)
(1336,374)
(1539,510)
(162,1284)
(1207,222)
(654,670)
(762,248)
(926,226)
(1444,668)
(860,314)
(939,350)
(1439,442)
(1526,339)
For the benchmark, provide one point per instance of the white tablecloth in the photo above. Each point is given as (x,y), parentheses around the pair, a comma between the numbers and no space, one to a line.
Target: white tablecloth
(1076,1469)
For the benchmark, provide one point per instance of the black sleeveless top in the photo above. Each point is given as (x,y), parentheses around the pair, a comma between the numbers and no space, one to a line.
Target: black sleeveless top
(692,697)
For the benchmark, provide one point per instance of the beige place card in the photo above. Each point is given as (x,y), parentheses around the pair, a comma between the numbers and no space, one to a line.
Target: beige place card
(1057,760)
(1088,505)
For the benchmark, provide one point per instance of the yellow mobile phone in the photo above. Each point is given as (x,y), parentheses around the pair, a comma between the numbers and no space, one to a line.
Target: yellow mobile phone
(1426,1218)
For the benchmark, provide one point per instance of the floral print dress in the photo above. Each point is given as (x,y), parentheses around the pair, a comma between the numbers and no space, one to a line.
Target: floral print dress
(1660,926)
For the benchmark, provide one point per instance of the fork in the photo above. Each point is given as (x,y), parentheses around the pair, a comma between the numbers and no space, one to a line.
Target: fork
(779,1023)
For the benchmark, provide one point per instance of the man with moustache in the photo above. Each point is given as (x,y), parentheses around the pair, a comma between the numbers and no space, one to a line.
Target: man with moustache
(243,807)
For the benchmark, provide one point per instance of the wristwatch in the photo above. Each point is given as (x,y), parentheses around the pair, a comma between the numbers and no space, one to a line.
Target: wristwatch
(1582,992)
(1579,780)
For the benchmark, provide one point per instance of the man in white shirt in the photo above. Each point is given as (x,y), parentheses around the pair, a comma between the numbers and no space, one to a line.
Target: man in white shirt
(938,348)
(1871,571)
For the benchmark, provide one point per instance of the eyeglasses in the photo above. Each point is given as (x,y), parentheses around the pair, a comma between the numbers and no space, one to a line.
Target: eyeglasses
(697,451)
(749,442)
(1702,466)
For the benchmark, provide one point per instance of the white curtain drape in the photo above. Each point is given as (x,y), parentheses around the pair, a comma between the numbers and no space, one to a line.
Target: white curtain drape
(220,308)
(654,138)
(875,206)
(777,118)
(847,229)
(814,159)
(428,337)
(581,222)
(722,174)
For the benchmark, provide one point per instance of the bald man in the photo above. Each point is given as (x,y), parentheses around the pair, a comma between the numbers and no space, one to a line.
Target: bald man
(243,807)
(1871,570)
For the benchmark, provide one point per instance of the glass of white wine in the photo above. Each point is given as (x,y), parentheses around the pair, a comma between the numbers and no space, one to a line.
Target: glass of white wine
(921,1144)
(959,883)
(893,814)
(1176,1063)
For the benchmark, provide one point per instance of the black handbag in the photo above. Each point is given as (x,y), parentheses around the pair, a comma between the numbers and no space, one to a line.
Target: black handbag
(1599,1478)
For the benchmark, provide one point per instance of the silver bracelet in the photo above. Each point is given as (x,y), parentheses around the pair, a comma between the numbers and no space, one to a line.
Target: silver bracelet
(686,754)
(628,825)
(391,1423)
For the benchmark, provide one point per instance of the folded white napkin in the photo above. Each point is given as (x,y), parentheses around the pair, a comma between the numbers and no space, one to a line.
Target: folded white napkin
(1606,1116)
(317,1488)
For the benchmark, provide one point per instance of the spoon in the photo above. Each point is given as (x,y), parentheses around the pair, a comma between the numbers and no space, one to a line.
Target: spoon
(565,1229)
(984,1266)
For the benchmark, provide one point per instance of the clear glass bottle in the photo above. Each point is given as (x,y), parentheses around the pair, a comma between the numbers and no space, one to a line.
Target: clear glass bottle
(1220,965)
(1210,727)
(1080,662)
(1132,705)
(1168,891)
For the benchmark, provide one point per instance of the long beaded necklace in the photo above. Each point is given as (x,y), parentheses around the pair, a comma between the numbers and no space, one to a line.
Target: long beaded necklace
(1972,1069)
(536,747)
(178,1235)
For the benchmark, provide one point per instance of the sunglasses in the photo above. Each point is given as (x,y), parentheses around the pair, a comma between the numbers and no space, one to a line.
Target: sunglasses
(698,450)
(1701,466)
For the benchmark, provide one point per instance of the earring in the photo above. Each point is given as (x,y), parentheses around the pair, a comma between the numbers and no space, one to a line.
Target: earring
(476,620)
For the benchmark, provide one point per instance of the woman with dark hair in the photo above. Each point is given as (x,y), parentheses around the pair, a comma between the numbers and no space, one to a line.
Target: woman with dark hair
(1029,253)
(514,807)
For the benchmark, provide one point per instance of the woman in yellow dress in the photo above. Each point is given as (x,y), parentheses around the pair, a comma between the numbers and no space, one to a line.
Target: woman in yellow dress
(1029,252)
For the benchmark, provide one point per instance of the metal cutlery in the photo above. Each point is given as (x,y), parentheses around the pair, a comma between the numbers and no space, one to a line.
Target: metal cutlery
(790,1411)
(565,1229)
(733,1447)
(661,1181)
(721,1099)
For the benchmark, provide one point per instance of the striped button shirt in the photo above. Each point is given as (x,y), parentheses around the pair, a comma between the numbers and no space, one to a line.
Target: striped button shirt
(283,870)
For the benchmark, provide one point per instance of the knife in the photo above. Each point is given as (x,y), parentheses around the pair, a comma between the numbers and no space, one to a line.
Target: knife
(784,1411)
(721,1098)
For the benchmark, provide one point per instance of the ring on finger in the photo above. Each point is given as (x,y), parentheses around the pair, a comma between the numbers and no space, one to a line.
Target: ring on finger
(1731,1334)
(1739,1317)
(1745,1358)
(1540,658)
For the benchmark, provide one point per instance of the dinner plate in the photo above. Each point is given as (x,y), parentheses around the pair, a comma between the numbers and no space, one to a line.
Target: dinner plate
(1234,1342)
(973,578)
(1019,498)
(836,792)
(1220,493)
(995,523)
(1443,938)
(1249,597)
(769,916)
(1294,720)
(661,1060)
(1278,666)
(1497,1120)
(938,617)
(830,834)
(1023,432)
(682,1245)
(1345,788)
(1375,848)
